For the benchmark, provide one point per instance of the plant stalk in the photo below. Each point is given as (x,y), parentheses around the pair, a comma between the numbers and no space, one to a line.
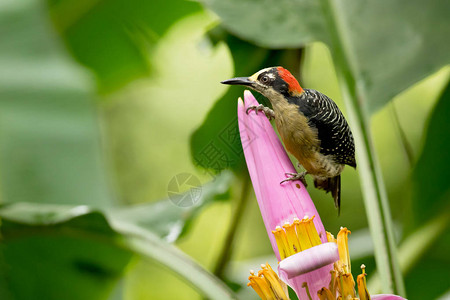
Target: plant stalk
(374,192)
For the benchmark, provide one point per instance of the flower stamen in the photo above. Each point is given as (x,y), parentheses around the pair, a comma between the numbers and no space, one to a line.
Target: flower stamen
(292,237)
(312,231)
(342,241)
(282,242)
(362,285)
(296,237)
(302,233)
(347,288)
(342,280)
(333,282)
(330,238)
(260,286)
(305,286)
(325,294)
(267,284)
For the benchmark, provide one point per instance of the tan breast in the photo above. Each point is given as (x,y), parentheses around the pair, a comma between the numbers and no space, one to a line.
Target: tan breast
(298,137)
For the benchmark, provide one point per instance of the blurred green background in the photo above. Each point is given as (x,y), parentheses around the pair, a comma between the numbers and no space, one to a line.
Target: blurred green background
(103,103)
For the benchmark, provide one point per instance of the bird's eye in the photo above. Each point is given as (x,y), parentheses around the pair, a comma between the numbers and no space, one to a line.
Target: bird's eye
(265,79)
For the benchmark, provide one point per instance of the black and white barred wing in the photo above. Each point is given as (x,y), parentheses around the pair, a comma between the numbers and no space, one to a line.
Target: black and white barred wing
(333,130)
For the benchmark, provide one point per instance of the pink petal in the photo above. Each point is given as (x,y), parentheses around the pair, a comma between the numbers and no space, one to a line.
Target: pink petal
(267,164)
(309,260)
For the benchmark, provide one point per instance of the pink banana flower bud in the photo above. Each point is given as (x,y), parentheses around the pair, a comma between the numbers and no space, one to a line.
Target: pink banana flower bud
(310,260)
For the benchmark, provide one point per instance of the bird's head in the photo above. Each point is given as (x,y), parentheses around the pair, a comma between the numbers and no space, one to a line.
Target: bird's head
(271,82)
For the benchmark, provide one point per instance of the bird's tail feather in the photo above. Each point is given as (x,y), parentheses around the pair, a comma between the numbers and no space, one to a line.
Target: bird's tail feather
(332,185)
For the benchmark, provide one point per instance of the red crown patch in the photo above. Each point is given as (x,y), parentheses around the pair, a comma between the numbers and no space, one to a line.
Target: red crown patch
(294,86)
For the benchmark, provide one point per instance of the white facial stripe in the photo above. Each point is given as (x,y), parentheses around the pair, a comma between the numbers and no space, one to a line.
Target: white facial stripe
(254,77)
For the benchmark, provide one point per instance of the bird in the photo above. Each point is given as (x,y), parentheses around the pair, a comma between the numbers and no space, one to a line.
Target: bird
(311,126)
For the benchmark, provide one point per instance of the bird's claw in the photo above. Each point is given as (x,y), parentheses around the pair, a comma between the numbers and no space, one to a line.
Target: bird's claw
(295,176)
(267,111)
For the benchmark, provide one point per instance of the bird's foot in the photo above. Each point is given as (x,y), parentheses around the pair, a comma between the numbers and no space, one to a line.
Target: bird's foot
(267,111)
(296,176)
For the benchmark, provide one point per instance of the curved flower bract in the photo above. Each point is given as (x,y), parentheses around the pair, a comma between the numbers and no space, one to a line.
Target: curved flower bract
(281,204)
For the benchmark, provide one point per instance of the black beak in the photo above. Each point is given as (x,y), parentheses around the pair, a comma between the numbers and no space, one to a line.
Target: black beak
(238,81)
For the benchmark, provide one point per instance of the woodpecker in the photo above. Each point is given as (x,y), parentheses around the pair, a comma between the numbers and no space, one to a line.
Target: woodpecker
(310,124)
